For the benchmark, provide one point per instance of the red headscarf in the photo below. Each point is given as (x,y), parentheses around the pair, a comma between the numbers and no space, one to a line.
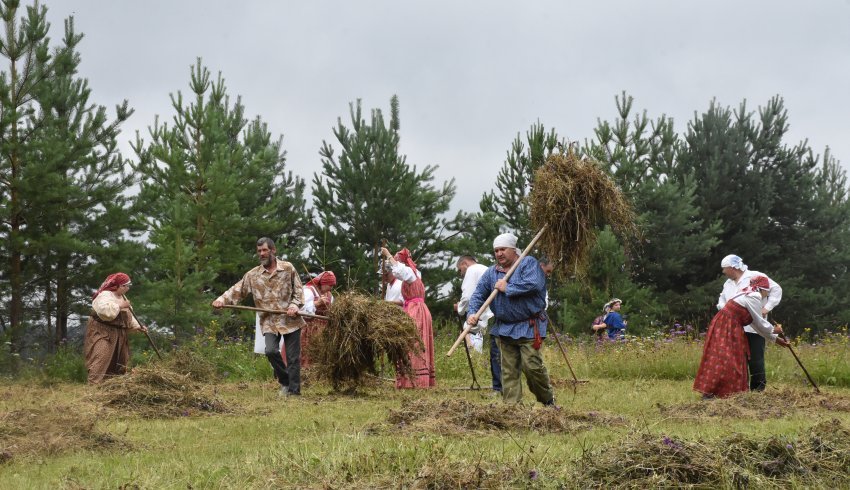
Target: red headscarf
(112,283)
(403,256)
(326,278)
(759,282)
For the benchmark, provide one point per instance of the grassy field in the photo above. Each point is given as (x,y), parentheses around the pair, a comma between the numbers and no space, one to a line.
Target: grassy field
(636,422)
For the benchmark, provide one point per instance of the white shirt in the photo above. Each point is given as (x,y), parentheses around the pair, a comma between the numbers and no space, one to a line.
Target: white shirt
(405,273)
(753,303)
(470,282)
(106,306)
(309,300)
(394,292)
(731,288)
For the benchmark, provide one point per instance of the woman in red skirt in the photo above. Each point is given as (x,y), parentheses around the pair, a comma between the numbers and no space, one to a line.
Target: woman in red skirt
(723,367)
(317,301)
(413,292)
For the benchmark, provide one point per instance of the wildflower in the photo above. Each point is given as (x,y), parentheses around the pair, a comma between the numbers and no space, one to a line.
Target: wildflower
(789,446)
(533,474)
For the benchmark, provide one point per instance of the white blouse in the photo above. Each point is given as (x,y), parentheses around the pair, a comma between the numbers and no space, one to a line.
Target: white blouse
(106,306)
(753,303)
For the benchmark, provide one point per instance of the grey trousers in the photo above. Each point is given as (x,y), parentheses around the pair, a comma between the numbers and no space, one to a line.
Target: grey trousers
(288,374)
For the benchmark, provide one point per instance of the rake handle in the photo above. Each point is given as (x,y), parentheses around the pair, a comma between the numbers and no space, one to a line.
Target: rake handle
(276,312)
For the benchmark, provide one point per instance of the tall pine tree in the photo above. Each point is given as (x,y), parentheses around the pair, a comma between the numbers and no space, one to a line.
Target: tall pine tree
(212,183)
(64,214)
(367,192)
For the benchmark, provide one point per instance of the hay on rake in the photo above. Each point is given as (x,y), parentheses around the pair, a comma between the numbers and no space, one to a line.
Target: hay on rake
(361,332)
(51,430)
(574,198)
(157,392)
(819,458)
(457,416)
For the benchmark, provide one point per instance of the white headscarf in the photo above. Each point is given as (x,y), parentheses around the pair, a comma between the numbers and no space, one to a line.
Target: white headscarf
(734,262)
(506,240)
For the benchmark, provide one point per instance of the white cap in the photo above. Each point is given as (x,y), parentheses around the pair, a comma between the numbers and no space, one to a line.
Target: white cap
(505,240)
(734,262)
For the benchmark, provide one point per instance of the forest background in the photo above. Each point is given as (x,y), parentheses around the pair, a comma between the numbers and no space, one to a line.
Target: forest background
(181,214)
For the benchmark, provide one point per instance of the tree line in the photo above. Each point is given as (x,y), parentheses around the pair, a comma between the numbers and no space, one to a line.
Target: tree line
(182,216)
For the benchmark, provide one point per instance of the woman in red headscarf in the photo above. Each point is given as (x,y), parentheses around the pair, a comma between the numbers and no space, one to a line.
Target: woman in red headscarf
(413,292)
(723,367)
(106,349)
(317,301)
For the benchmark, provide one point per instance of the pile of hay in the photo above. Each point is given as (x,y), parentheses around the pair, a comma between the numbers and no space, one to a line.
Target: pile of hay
(49,431)
(191,364)
(158,392)
(771,403)
(458,416)
(574,198)
(361,332)
(819,458)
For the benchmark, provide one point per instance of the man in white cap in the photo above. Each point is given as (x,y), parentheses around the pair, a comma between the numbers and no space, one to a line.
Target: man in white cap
(519,311)
(738,278)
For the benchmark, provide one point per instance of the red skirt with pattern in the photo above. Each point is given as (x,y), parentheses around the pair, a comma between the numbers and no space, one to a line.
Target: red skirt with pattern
(723,367)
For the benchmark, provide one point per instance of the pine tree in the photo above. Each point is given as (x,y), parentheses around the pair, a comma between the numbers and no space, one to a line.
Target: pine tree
(368,192)
(642,156)
(62,178)
(212,184)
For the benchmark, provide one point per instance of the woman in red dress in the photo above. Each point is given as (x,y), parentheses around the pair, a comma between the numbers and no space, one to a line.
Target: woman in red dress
(317,301)
(723,367)
(413,292)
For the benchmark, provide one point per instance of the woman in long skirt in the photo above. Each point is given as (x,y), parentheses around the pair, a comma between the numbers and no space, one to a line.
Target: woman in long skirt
(413,292)
(106,349)
(723,367)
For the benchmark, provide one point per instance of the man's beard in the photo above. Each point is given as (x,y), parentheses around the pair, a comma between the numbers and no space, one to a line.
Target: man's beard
(266,261)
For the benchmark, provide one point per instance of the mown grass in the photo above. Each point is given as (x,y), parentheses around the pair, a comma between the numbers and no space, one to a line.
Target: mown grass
(324,440)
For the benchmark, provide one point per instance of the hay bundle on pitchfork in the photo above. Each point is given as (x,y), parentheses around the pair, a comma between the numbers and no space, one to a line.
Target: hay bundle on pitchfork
(361,332)
(571,199)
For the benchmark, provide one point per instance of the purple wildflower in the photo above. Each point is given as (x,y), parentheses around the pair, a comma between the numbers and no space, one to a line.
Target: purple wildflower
(533,474)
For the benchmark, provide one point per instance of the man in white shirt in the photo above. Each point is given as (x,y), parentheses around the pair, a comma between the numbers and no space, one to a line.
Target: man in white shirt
(471,271)
(738,278)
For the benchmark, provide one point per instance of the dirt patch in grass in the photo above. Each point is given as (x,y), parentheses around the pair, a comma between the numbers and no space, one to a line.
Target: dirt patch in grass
(451,417)
(820,458)
(772,403)
(51,430)
(157,392)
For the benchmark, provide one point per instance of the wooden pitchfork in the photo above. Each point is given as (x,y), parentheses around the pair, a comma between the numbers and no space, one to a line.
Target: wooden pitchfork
(812,381)
(575,381)
(145,332)
(276,312)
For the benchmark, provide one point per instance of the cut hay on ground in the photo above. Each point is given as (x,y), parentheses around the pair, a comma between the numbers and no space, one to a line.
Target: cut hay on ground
(771,403)
(575,198)
(189,363)
(157,392)
(361,333)
(819,458)
(49,431)
(458,416)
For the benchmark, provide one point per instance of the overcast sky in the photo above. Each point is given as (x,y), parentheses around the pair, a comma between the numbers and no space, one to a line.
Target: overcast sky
(470,75)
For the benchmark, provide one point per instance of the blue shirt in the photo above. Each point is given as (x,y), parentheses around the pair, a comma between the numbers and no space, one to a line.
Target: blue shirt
(615,325)
(524,298)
